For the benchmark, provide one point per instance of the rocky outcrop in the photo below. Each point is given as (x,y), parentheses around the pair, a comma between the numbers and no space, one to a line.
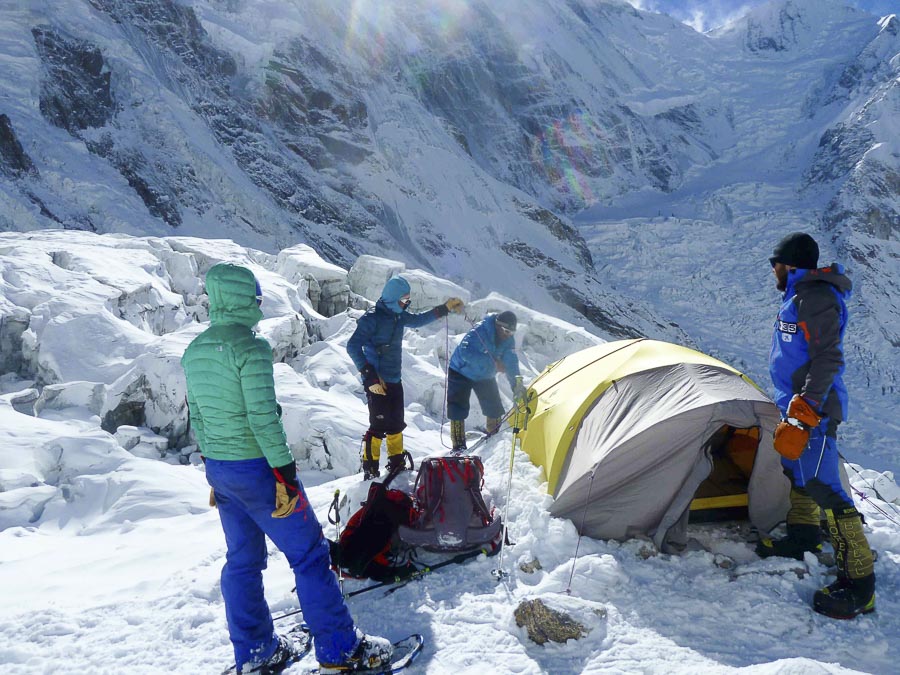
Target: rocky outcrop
(14,161)
(76,93)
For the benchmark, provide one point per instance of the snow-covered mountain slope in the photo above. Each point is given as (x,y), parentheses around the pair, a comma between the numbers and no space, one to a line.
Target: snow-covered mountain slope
(110,556)
(454,136)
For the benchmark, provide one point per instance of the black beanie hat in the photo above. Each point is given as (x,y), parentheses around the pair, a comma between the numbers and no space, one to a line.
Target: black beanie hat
(797,250)
(508,320)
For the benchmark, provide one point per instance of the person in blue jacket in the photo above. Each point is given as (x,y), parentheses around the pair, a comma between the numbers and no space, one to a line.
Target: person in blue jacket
(376,348)
(488,348)
(807,366)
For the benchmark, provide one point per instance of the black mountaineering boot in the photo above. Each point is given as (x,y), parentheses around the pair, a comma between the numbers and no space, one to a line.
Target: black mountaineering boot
(854,591)
(397,463)
(803,530)
(370,456)
(799,540)
(846,598)
(370,469)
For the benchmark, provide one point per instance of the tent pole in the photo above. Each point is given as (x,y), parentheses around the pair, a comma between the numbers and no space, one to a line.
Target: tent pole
(580,530)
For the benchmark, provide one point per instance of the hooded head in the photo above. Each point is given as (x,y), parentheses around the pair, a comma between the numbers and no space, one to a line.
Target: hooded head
(233,293)
(393,290)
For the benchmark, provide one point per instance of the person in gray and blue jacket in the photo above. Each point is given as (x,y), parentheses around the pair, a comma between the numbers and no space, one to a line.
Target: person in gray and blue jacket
(807,365)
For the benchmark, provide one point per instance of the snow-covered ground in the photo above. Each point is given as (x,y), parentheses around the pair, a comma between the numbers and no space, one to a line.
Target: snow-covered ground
(110,556)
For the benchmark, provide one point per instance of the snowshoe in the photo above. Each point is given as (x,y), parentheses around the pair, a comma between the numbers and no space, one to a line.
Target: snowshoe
(377,656)
(291,648)
(371,653)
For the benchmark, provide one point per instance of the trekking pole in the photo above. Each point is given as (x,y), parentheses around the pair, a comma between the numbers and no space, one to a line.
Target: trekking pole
(336,507)
(498,573)
(446,377)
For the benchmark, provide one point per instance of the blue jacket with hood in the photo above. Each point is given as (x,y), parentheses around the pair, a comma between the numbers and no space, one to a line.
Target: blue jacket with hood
(807,355)
(378,338)
(478,354)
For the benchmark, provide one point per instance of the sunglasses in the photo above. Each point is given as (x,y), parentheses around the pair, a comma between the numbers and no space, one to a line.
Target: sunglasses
(404,301)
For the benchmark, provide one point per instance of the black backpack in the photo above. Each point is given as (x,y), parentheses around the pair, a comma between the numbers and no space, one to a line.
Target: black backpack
(368,546)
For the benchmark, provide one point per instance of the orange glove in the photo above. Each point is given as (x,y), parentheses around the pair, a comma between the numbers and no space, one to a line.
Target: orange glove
(800,410)
(790,440)
(792,433)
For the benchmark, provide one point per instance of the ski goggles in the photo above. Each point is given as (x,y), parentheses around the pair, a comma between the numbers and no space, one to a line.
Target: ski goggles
(503,328)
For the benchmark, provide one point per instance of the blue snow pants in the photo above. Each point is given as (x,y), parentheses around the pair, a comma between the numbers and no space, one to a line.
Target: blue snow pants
(817,469)
(245,495)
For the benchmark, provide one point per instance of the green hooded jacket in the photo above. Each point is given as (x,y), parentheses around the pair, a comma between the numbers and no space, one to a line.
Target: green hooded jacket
(230,381)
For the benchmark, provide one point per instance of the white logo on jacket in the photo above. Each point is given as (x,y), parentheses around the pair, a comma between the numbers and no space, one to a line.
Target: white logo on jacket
(786,327)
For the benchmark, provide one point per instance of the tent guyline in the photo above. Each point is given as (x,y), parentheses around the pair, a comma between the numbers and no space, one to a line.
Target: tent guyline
(580,530)
(865,498)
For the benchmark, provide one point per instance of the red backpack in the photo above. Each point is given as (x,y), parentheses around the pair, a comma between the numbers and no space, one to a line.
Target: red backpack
(451,514)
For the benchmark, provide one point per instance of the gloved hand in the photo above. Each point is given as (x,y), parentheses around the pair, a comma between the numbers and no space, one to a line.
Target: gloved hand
(371,381)
(800,409)
(792,433)
(520,392)
(454,305)
(287,490)
(790,440)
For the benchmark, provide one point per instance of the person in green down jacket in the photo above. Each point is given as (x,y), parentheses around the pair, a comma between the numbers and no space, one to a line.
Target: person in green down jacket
(233,412)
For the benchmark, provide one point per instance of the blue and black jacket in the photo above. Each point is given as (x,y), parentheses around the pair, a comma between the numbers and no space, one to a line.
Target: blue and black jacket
(377,342)
(807,346)
(478,354)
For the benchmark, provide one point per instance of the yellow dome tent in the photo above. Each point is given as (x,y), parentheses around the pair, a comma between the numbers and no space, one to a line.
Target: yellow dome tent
(633,434)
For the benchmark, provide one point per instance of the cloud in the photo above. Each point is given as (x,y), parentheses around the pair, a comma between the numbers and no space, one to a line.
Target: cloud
(701,15)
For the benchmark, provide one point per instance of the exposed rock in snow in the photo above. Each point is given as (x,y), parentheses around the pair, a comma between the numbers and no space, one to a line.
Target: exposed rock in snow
(14,161)
(544,624)
(76,93)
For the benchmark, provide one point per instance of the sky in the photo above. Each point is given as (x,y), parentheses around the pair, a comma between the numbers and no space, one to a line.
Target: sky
(704,15)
